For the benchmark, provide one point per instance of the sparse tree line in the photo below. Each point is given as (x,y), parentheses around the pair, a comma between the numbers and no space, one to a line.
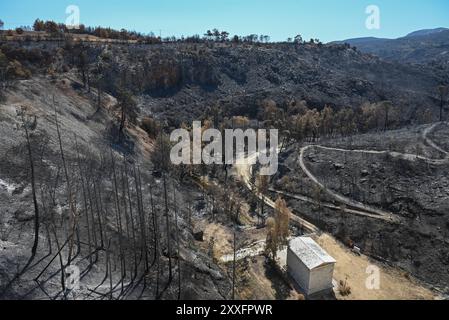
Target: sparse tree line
(298,122)
(55,29)
(224,36)
(218,36)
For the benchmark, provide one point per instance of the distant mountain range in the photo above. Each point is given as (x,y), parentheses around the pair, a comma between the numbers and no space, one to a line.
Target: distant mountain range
(423,46)
(426,32)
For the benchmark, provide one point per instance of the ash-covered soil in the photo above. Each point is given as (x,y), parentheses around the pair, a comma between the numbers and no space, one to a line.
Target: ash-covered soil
(412,189)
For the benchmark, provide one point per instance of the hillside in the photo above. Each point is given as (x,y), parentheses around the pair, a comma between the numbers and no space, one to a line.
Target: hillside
(372,172)
(238,78)
(98,167)
(423,46)
(184,78)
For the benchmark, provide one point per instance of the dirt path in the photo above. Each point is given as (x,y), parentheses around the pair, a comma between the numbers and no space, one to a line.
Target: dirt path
(331,206)
(244,169)
(252,250)
(340,198)
(430,142)
(356,270)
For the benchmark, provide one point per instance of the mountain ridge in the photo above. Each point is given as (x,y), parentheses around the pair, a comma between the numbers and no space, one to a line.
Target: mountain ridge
(417,33)
(425,32)
(421,46)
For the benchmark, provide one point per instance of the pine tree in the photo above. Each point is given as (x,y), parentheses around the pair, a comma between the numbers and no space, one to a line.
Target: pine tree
(282,220)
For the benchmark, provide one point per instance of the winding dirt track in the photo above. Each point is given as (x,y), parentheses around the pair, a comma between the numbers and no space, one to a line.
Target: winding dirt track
(333,207)
(244,169)
(405,156)
(430,142)
(338,197)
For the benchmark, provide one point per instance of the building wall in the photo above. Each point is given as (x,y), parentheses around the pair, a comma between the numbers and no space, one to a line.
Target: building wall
(298,271)
(321,279)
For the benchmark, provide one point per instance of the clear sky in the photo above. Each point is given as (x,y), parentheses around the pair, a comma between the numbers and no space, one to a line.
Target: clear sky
(324,19)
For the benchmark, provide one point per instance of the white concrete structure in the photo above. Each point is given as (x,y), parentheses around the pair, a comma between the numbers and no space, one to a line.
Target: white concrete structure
(309,265)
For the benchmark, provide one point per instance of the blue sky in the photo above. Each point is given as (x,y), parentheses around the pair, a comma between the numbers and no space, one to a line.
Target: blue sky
(324,19)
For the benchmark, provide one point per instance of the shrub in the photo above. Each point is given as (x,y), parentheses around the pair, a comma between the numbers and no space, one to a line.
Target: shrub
(285,183)
(344,288)
(151,127)
(240,122)
(17,71)
(301,297)
(51,71)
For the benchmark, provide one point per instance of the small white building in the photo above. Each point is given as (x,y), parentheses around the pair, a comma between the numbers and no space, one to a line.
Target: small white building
(310,266)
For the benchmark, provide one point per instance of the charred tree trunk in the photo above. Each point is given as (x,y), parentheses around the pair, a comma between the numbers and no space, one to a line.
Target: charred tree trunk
(99,92)
(177,242)
(84,199)
(99,208)
(156,243)
(33,190)
(122,120)
(118,222)
(131,218)
(142,218)
(233,267)
(72,218)
(167,222)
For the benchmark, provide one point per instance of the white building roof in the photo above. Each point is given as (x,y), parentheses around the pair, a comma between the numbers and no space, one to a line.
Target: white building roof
(310,253)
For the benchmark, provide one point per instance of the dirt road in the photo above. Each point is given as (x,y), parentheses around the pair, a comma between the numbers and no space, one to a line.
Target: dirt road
(358,272)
